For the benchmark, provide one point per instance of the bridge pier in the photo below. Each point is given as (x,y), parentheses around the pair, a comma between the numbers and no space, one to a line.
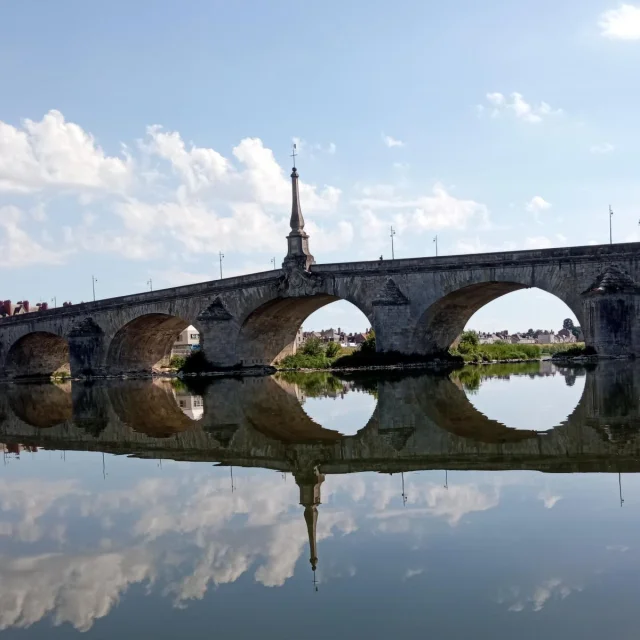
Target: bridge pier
(218,342)
(611,308)
(87,349)
(392,320)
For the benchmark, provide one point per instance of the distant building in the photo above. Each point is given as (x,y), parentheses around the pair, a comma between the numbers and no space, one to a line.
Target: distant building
(187,342)
(518,338)
(331,335)
(565,335)
(7,308)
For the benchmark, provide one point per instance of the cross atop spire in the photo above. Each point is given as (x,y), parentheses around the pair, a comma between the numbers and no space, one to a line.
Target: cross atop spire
(293,155)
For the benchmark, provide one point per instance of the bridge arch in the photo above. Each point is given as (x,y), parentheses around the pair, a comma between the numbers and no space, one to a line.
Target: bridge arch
(142,344)
(38,354)
(443,321)
(268,333)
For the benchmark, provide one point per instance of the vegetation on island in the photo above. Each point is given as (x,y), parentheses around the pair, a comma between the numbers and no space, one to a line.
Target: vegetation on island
(470,349)
(314,354)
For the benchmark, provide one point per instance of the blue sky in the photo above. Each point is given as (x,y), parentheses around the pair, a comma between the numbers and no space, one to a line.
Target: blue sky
(137,140)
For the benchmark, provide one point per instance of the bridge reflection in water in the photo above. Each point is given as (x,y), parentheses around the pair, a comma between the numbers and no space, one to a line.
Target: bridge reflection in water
(420,422)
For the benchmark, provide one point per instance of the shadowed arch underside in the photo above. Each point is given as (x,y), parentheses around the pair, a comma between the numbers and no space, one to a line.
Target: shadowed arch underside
(144,343)
(38,354)
(268,334)
(444,321)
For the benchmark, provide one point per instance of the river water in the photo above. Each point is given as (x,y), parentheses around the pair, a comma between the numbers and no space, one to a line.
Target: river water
(499,502)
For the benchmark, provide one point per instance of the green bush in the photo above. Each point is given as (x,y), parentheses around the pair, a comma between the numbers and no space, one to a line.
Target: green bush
(177,362)
(304,361)
(195,363)
(575,351)
(469,342)
(369,345)
(312,347)
(332,350)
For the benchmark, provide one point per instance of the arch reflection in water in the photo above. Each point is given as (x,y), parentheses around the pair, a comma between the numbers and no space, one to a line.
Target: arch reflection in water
(338,404)
(420,421)
(534,396)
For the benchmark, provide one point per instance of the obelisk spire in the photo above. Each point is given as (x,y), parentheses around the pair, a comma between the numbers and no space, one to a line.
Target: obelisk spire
(298,254)
(297,221)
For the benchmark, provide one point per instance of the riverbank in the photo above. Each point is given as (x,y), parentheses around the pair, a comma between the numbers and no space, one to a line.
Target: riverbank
(465,354)
(366,360)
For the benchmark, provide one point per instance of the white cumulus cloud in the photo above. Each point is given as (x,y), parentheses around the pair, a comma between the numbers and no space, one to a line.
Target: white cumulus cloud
(17,247)
(516,105)
(622,23)
(54,152)
(537,205)
(537,242)
(390,141)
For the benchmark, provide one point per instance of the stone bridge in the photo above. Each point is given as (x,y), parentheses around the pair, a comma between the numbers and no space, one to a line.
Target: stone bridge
(415,306)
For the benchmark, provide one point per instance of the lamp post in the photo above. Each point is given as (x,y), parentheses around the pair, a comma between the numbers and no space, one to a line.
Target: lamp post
(610,228)
(93,285)
(150,283)
(393,233)
(55,301)
(221,255)
(273,262)
(436,241)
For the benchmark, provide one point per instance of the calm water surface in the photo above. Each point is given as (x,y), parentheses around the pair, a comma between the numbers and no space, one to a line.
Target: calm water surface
(499,502)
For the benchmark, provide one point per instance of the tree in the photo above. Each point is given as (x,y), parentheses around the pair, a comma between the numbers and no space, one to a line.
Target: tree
(332,350)
(470,338)
(568,324)
(369,345)
(312,347)
(468,342)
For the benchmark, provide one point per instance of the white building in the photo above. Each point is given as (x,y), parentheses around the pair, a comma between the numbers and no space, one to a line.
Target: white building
(187,342)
